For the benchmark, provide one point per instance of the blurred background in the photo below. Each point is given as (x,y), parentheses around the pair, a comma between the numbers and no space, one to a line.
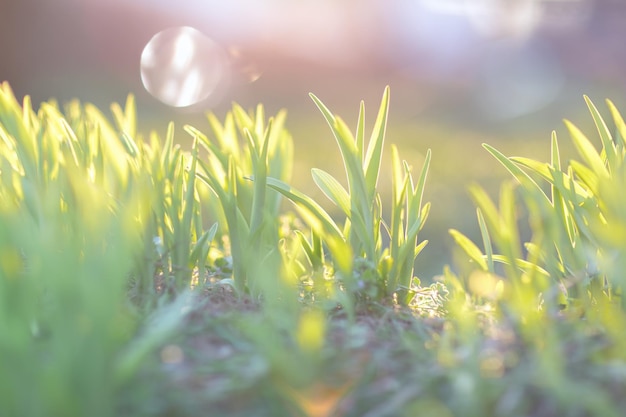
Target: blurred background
(462,72)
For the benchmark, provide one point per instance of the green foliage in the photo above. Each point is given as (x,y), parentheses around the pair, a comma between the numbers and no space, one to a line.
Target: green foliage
(250,210)
(356,248)
(83,204)
(134,273)
(575,255)
(69,236)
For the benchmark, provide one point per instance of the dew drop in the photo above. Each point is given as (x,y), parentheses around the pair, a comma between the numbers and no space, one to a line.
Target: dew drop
(181,67)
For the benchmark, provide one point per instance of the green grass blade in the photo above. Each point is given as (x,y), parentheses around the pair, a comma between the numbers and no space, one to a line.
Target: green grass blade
(555,156)
(362,204)
(586,150)
(375,147)
(312,251)
(259,121)
(168,145)
(189,204)
(399,190)
(540,168)
(260,189)
(71,141)
(487,207)
(200,249)
(320,221)
(360,131)
(304,201)
(405,260)
(332,189)
(353,164)
(521,265)
(419,248)
(211,147)
(242,118)
(330,119)
(486,241)
(424,214)
(516,171)
(130,144)
(11,119)
(607,141)
(347,146)
(126,119)
(418,192)
(555,161)
(508,212)
(619,122)
(587,176)
(470,248)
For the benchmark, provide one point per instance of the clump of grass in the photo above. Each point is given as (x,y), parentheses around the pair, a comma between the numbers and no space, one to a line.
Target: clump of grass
(570,270)
(70,236)
(571,257)
(368,269)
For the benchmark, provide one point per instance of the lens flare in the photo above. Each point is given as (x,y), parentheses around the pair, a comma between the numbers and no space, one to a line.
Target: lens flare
(181,66)
(243,67)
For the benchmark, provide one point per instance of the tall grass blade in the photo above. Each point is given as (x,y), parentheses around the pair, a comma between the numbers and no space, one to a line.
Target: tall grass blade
(486,241)
(619,123)
(470,248)
(586,150)
(607,141)
(375,146)
(332,189)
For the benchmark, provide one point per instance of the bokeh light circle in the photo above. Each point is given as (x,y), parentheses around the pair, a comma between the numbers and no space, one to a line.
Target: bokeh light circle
(515,80)
(181,66)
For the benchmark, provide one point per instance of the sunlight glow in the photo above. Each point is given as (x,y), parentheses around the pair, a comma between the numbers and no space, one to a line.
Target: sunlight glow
(486,285)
